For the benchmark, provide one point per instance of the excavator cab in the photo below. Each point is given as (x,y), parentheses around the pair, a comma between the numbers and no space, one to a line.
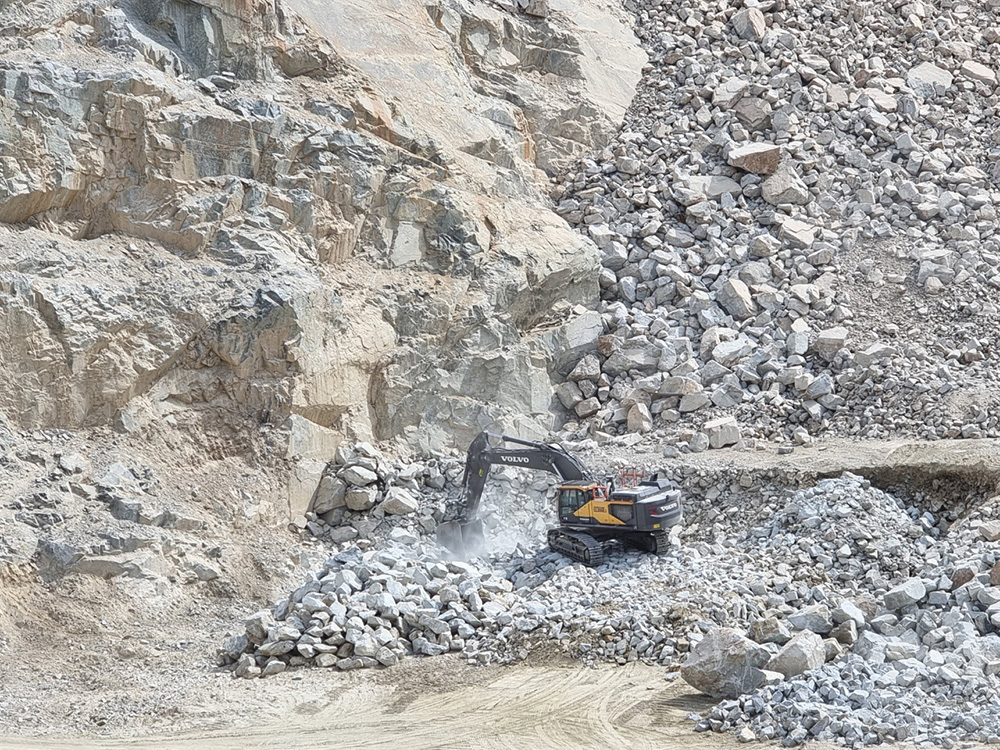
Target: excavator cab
(578,500)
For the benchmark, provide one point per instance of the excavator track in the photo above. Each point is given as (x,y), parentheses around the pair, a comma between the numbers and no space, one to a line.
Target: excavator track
(655,543)
(577,545)
(658,543)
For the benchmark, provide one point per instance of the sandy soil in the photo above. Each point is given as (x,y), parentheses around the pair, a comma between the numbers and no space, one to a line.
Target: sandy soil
(442,703)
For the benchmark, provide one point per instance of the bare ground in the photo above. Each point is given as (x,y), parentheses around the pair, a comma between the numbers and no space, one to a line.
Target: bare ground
(441,703)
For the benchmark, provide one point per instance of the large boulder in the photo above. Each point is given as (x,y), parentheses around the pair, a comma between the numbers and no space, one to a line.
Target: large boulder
(725,664)
(722,431)
(329,495)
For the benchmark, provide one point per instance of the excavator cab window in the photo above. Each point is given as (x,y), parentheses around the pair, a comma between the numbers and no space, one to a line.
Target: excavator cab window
(571,500)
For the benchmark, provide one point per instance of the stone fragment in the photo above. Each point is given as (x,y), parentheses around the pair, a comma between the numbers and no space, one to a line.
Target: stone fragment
(725,664)
(961,576)
(639,419)
(735,298)
(358,476)
(928,80)
(798,234)
(330,494)
(995,575)
(750,24)
(753,112)
(816,618)
(361,498)
(978,72)
(758,158)
(387,657)
(846,632)
(569,394)
(722,431)
(770,630)
(785,186)
(729,92)
(905,594)
(804,652)
(588,368)
(848,610)
(728,353)
(874,354)
(588,407)
(990,531)
(830,341)
(399,501)
(714,187)
(678,386)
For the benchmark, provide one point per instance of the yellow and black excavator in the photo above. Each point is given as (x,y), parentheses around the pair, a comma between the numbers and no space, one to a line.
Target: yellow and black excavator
(590,512)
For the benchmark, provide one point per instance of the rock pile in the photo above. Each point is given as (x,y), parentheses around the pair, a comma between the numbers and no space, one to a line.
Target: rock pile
(847,531)
(911,652)
(365,609)
(361,490)
(785,177)
(414,603)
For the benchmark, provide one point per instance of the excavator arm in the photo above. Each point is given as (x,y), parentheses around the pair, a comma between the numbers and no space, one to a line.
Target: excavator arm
(466,534)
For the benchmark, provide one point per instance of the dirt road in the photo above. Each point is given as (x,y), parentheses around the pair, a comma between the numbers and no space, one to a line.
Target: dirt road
(519,707)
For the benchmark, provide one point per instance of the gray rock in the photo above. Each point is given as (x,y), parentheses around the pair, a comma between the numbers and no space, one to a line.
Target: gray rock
(816,618)
(361,498)
(804,652)
(770,630)
(725,664)
(735,298)
(928,80)
(639,418)
(330,494)
(358,476)
(722,431)
(785,187)
(905,594)
(729,92)
(749,23)
(398,502)
(830,341)
(588,368)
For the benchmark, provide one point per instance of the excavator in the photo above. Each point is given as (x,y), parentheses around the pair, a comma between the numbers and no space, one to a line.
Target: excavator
(590,512)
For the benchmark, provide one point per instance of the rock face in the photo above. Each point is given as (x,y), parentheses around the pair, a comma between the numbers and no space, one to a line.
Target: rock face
(234,216)
(725,664)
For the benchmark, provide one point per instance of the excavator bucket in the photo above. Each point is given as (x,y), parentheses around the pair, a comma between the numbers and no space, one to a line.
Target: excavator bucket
(462,538)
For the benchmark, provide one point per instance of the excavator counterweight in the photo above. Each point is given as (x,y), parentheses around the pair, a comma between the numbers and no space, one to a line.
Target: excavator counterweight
(590,513)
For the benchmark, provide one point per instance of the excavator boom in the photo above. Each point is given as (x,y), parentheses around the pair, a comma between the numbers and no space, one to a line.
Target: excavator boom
(466,534)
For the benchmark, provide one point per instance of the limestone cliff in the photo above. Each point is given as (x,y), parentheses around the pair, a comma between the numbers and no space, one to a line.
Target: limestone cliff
(328,220)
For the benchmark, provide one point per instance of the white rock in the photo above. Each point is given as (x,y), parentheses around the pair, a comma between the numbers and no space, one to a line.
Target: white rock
(928,80)
(978,72)
(399,501)
(722,431)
